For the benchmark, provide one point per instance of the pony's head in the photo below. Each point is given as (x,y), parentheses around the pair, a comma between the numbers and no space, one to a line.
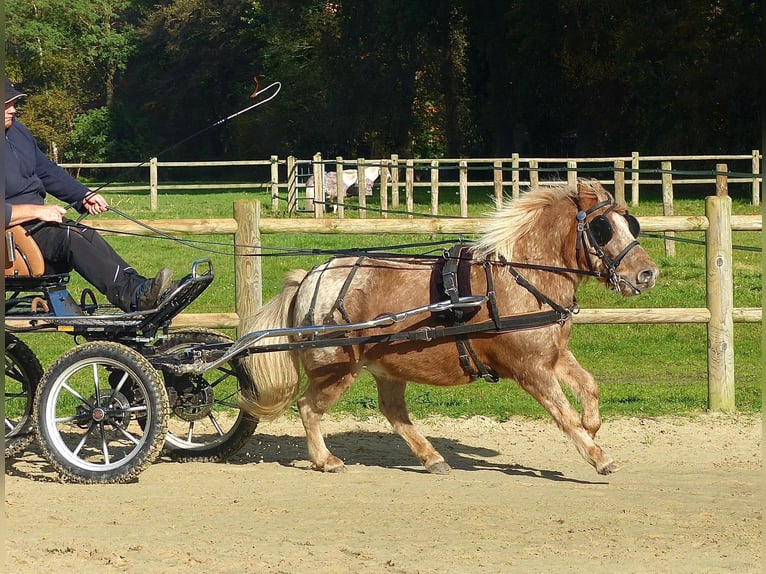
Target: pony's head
(607,241)
(582,224)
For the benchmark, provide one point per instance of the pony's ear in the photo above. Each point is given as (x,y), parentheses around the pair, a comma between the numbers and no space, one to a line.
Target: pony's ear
(589,192)
(586,191)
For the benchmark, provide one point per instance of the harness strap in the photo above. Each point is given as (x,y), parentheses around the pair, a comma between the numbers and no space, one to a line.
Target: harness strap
(309,318)
(450,280)
(491,298)
(425,334)
(346,285)
(469,360)
(541,298)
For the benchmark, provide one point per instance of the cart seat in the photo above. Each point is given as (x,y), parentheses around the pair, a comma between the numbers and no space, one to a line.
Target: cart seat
(22,255)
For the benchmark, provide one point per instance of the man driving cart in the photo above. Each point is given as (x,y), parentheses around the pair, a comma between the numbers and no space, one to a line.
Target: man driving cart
(29,176)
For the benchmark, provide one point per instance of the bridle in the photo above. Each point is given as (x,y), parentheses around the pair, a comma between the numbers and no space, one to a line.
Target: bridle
(594,235)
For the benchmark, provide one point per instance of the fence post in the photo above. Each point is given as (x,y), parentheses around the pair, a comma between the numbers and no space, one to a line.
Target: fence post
(292,190)
(409,186)
(361,185)
(619,181)
(756,180)
(634,174)
(384,178)
(339,184)
(319,195)
(434,186)
(534,176)
(515,176)
(153,183)
(720,299)
(247,263)
(572,173)
(463,166)
(274,183)
(667,206)
(498,181)
(394,180)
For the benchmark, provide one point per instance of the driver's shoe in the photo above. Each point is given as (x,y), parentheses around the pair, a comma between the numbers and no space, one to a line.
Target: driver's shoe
(150,291)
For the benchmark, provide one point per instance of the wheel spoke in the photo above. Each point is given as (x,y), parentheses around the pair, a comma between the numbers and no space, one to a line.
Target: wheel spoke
(215,424)
(77,395)
(81,444)
(96,382)
(118,386)
(124,432)
(104,445)
(189,435)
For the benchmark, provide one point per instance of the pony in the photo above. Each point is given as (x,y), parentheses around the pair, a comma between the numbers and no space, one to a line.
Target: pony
(349,187)
(535,252)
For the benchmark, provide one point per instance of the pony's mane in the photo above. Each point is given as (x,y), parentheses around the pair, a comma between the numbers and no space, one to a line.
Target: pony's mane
(513,218)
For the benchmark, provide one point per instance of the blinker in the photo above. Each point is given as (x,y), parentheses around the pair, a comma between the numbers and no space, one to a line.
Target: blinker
(602,231)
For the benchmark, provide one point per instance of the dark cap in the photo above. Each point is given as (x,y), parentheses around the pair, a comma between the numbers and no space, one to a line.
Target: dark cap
(11,93)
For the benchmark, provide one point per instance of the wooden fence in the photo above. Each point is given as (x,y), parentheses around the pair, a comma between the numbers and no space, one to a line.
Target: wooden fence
(285,178)
(248,226)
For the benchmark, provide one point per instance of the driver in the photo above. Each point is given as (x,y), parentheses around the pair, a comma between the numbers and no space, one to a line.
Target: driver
(29,176)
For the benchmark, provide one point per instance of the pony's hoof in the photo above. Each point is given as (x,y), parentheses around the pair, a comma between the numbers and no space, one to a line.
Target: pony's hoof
(333,464)
(438,468)
(610,468)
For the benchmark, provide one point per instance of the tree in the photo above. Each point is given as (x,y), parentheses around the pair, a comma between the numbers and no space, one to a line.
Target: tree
(67,55)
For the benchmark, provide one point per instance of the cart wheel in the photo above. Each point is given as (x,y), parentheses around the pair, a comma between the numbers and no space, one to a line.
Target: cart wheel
(205,423)
(22,375)
(101,413)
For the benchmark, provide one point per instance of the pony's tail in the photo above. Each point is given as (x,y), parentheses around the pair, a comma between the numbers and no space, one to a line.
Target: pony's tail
(272,377)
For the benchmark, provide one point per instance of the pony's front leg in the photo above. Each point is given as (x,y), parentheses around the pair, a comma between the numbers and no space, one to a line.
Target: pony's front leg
(546,390)
(570,373)
(321,395)
(394,407)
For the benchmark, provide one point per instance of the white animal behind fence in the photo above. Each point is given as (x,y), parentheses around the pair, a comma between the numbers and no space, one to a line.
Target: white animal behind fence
(350,185)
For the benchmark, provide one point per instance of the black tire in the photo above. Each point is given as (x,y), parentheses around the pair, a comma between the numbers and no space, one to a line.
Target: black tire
(101,414)
(22,376)
(216,428)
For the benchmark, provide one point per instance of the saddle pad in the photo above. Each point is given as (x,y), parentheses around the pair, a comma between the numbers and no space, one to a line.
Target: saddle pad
(463,278)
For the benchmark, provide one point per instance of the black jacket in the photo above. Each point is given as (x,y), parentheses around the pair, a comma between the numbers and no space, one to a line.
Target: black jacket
(29,174)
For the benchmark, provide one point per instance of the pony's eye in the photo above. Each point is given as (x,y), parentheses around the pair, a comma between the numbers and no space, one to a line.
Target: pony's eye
(633,225)
(601,230)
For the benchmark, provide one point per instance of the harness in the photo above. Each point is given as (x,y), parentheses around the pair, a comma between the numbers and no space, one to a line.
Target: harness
(591,237)
(455,271)
(451,278)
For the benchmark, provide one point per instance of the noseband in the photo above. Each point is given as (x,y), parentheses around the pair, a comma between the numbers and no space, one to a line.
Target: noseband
(593,236)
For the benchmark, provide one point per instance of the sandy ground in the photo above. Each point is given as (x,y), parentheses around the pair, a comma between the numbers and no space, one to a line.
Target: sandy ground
(519,499)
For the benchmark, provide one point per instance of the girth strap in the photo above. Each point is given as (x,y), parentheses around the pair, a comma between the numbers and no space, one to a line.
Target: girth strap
(469,360)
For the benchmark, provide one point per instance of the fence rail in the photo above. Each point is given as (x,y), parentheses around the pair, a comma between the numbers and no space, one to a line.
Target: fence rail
(286,178)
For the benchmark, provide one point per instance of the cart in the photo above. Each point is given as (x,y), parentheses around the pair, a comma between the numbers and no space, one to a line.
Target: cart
(105,409)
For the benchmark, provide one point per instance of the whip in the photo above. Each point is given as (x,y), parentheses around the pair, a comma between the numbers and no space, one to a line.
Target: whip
(274,87)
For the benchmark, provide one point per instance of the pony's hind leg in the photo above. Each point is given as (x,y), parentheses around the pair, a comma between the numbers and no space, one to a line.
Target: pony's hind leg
(321,395)
(394,407)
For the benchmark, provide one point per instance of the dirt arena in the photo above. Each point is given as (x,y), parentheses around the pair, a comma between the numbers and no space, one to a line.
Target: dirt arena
(519,499)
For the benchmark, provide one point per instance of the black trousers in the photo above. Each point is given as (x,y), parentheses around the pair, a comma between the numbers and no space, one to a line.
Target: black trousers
(66,247)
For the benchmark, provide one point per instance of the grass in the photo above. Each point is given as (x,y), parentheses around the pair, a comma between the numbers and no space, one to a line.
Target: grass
(643,370)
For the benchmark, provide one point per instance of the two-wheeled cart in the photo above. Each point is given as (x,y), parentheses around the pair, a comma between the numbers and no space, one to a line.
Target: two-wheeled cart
(105,409)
